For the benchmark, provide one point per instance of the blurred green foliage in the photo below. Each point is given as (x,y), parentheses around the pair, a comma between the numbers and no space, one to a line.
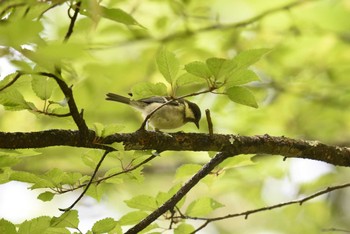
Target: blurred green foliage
(118,46)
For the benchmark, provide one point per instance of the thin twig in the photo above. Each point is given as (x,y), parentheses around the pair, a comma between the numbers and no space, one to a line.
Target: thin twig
(72,21)
(280,205)
(210,123)
(88,184)
(18,75)
(113,175)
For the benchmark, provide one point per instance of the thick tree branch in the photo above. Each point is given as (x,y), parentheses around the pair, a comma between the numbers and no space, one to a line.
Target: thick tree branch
(146,140)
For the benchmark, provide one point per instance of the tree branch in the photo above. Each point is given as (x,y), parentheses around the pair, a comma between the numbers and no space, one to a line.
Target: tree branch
(280,205)
(171,203)
(147,140)
(72,21)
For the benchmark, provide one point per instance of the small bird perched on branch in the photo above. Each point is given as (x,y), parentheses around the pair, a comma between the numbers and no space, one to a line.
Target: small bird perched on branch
(174,114)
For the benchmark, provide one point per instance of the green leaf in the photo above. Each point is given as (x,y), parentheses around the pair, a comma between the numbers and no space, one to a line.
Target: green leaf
(187,170)
(189,79)
(202,207)
(19,32)
(13,100)
(37,225)
(7,227)
(147,89)
(104,225)
(199,69)
(216,66)
(242,96)
(46,196)
(56,52)
(249,57)
(184,228)
(67,219)
(240,77)
(142,202)
(43,86)
(168,65)
(95,191)
(37,181)
(91,158)
(132,218)
(112,129)
(118,15)
(8,161)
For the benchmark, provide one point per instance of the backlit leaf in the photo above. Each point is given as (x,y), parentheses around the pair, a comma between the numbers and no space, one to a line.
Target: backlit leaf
(168,65)
(242,96)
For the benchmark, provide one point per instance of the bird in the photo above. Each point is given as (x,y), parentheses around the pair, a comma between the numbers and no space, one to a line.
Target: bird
(174,114)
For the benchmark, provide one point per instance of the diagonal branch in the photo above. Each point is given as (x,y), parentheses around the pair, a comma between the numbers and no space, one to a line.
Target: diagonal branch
(88,184)
(171,203)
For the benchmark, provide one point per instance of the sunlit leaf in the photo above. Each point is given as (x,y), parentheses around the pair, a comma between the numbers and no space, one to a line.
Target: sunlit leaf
(132,218)
(142,202)
(46,196)
(13,100)
(249,57)
(118,15)
(19,32)
(202,207)
(184,228)
(37,225)
(7,227)
(43,86)
(147,89)
(240,77)
(242,96)
(104,225)
(67,219)
(168,65)
(199,69)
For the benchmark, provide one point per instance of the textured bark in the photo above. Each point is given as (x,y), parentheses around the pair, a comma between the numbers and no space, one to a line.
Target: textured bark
(144,140)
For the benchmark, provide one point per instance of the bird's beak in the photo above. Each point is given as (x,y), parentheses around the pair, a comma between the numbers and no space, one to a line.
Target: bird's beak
(197,124)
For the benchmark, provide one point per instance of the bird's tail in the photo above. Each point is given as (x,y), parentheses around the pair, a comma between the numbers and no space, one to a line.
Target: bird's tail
(117,98)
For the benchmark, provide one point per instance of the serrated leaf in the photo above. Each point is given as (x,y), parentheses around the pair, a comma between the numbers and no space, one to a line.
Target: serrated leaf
(37,181)
(216,66)
(199,69)
(202,207)
(118,15)
(67,219)
(142,202)
(7,227)
(37,225)
(43,86)
(112,129)
(104,225)
(13,100)
(46,196)
(132,218)
(184,228)
(249,57)
(147,89)
(242,96)
(95,191)
(240,77)
(168,65)
(189,79)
